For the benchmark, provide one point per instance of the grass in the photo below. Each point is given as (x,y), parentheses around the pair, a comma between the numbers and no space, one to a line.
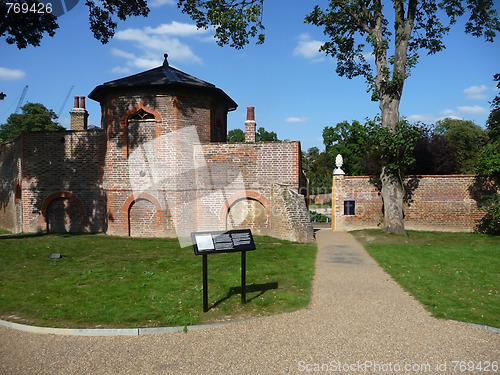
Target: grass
(4,231)
(114,282)
(455,275)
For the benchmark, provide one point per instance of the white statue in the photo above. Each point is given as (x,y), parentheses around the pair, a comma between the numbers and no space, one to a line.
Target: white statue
(339,161)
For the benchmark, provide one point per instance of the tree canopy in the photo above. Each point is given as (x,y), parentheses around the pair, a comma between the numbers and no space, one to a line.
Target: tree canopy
(34,117)
(261,135)
(236,135)
(466,139)
(235,22)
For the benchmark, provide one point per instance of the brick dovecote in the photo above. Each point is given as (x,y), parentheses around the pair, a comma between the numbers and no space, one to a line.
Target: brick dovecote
(160,164)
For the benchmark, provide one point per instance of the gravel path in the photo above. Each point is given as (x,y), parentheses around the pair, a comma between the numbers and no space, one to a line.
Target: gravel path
(359,320)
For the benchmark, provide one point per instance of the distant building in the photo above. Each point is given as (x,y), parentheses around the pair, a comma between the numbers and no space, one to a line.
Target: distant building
(159,166)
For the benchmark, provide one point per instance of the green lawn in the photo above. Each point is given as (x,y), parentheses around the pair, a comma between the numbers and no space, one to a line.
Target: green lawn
(455,275)
(105,281)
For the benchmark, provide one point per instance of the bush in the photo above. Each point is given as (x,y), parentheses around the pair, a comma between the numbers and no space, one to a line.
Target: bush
(490,223)
(316,217)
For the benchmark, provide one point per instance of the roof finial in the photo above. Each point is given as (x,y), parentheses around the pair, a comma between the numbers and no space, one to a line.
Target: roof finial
(165,62)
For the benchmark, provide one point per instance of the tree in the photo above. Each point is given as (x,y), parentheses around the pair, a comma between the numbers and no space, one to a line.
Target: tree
(417,25)
(34,117)
(28,28)
(236,135)
(262,135)
(234,21)
(394,149)
(467,139)
(434,154)
(489,165)
(349,140)
(318,167)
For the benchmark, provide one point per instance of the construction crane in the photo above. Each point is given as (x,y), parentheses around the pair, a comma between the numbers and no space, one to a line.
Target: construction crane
(21,100)
(65,101)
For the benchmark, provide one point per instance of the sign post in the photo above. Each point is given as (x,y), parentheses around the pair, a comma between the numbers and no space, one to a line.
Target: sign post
(238,240)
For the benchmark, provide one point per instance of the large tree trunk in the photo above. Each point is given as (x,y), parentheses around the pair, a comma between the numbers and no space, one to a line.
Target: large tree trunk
(392,188)
(390,90)
(392,197)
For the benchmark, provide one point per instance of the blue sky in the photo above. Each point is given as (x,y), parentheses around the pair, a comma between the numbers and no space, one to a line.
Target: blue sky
(293,87)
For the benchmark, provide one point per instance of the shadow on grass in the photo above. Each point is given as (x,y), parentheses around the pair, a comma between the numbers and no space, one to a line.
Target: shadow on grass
(42,234)
(261,288)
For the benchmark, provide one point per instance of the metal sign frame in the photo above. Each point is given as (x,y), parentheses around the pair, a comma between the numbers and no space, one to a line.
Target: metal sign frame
(237,240)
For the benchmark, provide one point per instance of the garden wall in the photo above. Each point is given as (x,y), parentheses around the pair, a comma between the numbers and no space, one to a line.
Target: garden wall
(10,184)
(434,203)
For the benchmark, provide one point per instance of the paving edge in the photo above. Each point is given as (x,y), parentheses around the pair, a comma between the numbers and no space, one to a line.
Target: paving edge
(488,328)
(147,331)
(108,331)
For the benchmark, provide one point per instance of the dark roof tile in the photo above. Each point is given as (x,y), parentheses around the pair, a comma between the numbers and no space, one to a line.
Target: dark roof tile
(161,76)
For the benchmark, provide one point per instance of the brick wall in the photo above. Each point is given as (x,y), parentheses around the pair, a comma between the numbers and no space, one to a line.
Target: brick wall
(436,203)
(60,166)
(289,215)
(11,185)
(160,166)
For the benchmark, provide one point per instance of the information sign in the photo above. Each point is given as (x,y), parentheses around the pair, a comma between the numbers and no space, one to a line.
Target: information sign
(205,243)
(222,241)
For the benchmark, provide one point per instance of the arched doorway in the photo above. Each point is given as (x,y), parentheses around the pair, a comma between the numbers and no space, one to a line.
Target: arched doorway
(247,213)
(143,218)
(63,216)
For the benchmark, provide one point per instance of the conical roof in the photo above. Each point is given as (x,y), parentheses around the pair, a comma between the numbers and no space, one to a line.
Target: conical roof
(160,77)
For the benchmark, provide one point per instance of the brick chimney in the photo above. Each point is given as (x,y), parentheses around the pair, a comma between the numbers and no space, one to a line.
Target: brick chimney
(250,125)
(79,114)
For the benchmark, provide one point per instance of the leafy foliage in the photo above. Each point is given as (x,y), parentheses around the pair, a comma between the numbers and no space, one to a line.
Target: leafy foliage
(467,139)
(349,140)
(433,155)
(262,135)
(356,26)
(489,165)
(34,117)
(236,135)
(395,149)
(316,217)
(26,28)
(318,167)
(101,15)
(234,21)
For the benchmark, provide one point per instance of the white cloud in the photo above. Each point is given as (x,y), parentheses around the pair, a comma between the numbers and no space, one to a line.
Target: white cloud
(425,118)
(159,3)
(177,29)
(308,48)
(143,62)
(369,56)
(120,53)
(460,112)
(153,42)
(449,113)
(473,110)
(296,119)
(11,74)
(476,92)
(121,70)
